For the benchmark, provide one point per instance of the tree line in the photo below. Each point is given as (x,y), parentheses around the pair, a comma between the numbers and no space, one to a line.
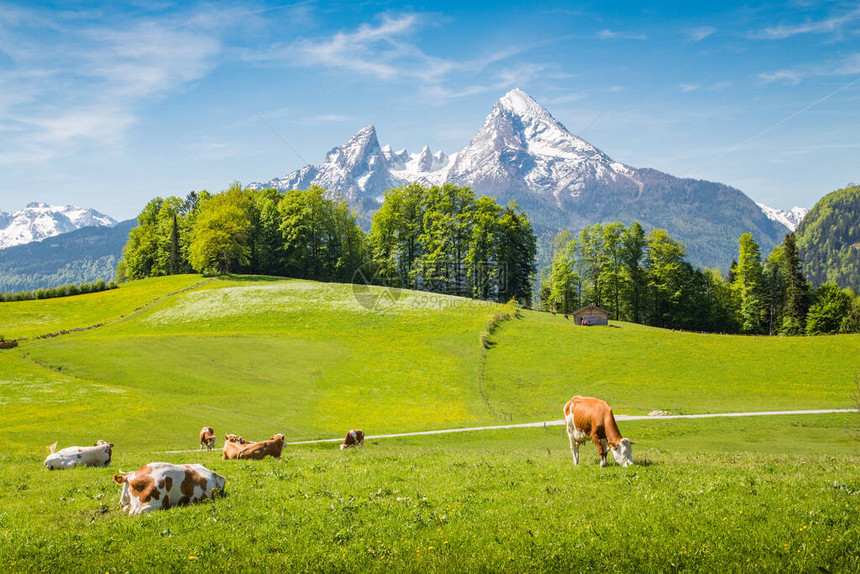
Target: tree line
(644,278)
(438,238)
(61,291)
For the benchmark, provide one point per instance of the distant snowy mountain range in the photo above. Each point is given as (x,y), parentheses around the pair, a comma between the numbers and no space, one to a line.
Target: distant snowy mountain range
(523,153)
(790,218)
(38,221)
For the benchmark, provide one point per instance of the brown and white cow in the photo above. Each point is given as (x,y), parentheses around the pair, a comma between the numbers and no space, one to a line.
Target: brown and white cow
(162,485)
(207,438)
(355,437)
(97,455)
(587,417)
(237,439)
(237,447)
(258,450)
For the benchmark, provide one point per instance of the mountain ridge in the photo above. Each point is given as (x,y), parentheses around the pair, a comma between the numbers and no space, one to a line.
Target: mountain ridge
(39,220)
(523,153)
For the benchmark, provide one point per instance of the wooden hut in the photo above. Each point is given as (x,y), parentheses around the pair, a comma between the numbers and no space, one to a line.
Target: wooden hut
(591,315)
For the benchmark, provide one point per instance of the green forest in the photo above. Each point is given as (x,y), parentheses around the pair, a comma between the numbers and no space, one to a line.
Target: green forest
(829,239)
(645,278)
(439,238)
(444,239)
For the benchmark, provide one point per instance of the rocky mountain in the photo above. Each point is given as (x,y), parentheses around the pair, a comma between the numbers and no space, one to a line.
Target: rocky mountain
(81,256)
(828,239)
(40,220)
(790,218)
(523,153)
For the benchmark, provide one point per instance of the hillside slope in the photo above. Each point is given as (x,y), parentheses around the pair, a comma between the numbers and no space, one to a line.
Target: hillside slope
(828,239)
(253,356)
(257,355)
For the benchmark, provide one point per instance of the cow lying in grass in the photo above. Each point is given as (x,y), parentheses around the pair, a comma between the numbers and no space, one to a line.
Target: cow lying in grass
(72,456)
(162,485)
(207,438)
(587,417)
(237,447)
(355,437)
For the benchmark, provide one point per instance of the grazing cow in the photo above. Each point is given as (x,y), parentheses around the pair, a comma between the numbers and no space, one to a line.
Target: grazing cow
(97,455)
(587,417)
(162,485)
(207,438)
(355,437)
(258,450)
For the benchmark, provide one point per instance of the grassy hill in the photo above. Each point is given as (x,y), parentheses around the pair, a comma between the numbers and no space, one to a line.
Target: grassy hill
(253,356)
(257,355)
(640,369)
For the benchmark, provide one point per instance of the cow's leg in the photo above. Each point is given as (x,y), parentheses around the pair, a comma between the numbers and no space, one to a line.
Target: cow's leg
(601,449)
(574,446)
(361,444)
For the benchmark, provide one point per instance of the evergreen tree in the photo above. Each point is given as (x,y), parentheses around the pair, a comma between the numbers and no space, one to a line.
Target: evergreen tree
(664,262)
(633,249)
(612,268)
(517,250)
(797,290)
(831,307)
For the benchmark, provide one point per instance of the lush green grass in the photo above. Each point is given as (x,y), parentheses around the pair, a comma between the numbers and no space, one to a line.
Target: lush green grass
(39,317)
(638,369)
(253,357)
(503,500)
(256,355)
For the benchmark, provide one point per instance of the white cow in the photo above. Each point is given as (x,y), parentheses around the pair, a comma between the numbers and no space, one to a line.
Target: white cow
(69,457)
(162,485)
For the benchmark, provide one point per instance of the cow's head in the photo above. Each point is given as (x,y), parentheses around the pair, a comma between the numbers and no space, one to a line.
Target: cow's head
(125,496)
(231,438)
(623,452)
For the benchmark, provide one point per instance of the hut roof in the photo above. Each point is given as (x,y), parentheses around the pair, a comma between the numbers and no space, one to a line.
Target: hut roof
(592,308)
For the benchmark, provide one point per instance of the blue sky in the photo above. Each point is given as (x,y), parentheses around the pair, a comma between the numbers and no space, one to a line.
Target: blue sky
(107,105)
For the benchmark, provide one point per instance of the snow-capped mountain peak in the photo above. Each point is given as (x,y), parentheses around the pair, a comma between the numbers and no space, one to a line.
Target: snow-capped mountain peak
(521,146)
(40,220)
(790,218)
(523,153)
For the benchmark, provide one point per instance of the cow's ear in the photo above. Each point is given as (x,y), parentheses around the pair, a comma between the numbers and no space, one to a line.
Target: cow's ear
(119,478)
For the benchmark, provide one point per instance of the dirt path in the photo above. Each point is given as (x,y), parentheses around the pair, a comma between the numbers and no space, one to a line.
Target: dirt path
(561,423)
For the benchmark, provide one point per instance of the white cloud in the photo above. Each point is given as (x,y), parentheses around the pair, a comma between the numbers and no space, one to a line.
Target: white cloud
(846,66)
(608,34)
(849,66)
(87,83)
(790,77)
(388,51)
(686,88)
(700,33)
(828,25)
(383,51)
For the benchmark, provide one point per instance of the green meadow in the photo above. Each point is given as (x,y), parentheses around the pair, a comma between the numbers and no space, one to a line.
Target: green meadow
(258,355)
